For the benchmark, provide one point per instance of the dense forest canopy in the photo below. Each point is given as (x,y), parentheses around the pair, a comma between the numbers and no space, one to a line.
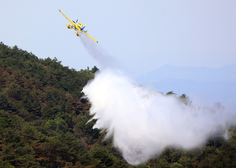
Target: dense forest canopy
(43,121)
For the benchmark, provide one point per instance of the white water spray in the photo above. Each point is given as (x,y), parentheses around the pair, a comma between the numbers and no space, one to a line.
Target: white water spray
(143,122)
(97,52)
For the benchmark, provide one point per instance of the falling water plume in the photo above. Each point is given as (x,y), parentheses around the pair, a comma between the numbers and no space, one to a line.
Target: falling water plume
(141,121)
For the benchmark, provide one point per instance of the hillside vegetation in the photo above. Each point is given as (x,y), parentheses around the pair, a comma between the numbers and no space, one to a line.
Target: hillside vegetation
(43,121)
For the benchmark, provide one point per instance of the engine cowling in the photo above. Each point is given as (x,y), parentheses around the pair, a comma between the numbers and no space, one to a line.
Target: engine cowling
(69,26)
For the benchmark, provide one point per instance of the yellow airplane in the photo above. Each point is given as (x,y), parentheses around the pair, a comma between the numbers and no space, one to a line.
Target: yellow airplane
(78,27)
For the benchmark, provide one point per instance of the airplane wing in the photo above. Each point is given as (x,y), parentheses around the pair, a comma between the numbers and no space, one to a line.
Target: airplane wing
(91,38)
(67,18)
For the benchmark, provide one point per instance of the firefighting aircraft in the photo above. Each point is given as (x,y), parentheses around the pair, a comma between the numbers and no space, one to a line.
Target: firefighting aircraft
(78,27)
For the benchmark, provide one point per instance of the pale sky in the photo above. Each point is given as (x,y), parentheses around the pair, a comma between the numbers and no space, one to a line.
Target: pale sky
(143,35)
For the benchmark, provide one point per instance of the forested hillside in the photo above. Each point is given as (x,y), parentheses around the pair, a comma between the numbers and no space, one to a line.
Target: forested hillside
(43,121)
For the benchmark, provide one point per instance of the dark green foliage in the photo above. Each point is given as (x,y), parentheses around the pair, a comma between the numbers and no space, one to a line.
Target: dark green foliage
(42,116)
(94,69)
(170,93)
(43,121)
(185,99)
(16,140)
(103,155)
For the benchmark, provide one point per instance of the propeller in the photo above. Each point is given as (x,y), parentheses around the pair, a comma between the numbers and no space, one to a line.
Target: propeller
(74,21)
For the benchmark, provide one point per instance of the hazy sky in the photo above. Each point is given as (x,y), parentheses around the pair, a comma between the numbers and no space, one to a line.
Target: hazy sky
(142,35)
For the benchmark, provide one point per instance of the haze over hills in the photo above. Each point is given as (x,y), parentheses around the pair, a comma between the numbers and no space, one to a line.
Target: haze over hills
(204,84)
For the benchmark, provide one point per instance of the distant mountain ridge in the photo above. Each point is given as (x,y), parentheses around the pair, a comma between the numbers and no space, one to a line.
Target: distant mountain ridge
(227,72)
(214,84)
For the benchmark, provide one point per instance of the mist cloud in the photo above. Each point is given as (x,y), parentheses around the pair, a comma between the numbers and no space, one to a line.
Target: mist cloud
(142,122)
